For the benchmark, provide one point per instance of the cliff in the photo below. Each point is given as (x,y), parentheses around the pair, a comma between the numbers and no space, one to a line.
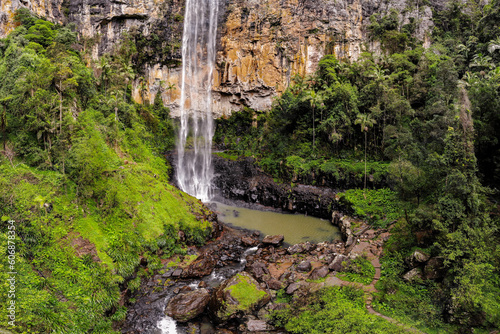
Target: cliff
(262,45)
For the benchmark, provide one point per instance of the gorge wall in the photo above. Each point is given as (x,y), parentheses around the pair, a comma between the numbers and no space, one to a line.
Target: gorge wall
(262,44)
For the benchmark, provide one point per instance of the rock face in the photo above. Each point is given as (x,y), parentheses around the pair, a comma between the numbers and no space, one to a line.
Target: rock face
(241,180)
(185,307)
(241,294)
(261,44)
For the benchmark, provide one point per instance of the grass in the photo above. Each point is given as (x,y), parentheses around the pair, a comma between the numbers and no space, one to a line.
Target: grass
(334,310)
(359,270)
(245,292)
(380,206)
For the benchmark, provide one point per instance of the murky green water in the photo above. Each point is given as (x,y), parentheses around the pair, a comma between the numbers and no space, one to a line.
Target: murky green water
(295,228)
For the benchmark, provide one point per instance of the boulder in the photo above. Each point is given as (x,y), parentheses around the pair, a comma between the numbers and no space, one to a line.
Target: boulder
(187,306)
(297,248)
(249,241)
(274,284)
(292,288)
(319,273)
(257,326)
(177,272)
(304,266)
(258,269)
(274,240)
(239,294)
(413,274)
(420,257)
(202,266)
(337,263)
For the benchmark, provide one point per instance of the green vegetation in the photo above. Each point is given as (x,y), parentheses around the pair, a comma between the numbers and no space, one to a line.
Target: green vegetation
(245,293)
(333,310)
(358,270)
(380,206)
(83,178)
(424,122)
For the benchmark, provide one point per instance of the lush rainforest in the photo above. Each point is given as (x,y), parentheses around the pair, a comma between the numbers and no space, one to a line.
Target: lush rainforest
(83,179)
(414,132)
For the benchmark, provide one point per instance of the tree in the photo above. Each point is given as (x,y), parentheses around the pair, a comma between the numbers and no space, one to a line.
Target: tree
(365,122)
(316,100)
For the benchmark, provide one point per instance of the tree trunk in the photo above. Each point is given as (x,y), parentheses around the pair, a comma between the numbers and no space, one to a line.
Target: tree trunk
(365,162)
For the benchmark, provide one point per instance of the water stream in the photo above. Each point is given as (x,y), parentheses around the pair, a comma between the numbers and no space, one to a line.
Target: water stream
(194,170)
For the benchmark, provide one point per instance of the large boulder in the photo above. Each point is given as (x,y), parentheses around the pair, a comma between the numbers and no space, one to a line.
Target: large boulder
(304,266)
(241,294)
(413,274)
(273,240)
(202,266)
(318,273)
(187,306)
(337,263)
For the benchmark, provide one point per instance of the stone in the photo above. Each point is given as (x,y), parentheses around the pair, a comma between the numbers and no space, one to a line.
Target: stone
(257,326)
(420,257)
(240,294)
(337,263)
(304,266)
(258,269)
(177,272)
(249,241)
(202,266)
(187,306)
(274,284)
(297,248)
(292,288)
(413,274)
(274,240)
(319,273)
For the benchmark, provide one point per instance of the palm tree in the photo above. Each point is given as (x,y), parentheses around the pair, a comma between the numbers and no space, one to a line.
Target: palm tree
(365,121)
(315,100)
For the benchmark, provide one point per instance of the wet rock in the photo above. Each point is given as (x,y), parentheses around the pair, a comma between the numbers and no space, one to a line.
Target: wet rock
(336,216)
(319,273)
(249,241)
(304,266)
(239,294)
(337,263)
(434,269)
(258,269)
(202,284)
(202,266)
(185,307)
(177,272)
(413,274)
(257,326)
(274,240)
(298,248)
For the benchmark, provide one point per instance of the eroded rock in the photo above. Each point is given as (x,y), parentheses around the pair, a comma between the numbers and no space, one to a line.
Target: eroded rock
(239,294)
(187,306)
(274,240)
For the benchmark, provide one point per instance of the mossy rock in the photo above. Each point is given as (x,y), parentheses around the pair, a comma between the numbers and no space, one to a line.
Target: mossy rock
(241,294)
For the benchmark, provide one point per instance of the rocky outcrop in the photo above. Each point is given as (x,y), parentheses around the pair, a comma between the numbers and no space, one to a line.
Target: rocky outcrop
(262,45)
(185,307)
(242,180)
(241,294)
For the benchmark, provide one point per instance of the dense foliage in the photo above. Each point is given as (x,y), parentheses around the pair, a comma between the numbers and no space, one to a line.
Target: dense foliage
(422,121)
(336,310)
(82,179)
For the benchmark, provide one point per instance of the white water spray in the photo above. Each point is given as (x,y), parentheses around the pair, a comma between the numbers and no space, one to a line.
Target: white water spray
(194,145)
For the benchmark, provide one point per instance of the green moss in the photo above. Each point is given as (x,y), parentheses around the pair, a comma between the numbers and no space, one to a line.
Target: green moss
(246,293)
(359,270)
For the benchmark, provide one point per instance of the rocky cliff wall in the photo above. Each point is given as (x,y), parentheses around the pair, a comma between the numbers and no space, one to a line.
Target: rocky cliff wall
(262,44)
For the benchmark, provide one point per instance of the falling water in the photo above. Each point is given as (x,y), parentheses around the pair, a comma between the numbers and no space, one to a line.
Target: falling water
(194,165)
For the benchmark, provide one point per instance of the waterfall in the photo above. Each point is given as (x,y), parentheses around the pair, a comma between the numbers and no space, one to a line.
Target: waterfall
(194,165)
